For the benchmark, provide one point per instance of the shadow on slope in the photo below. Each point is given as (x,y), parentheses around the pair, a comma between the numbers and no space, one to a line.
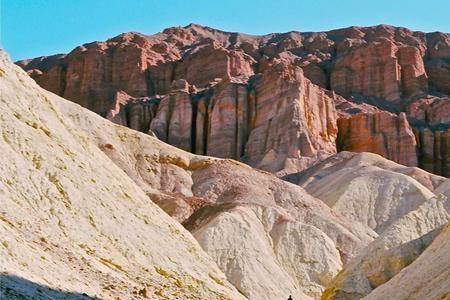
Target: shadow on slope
(17,288)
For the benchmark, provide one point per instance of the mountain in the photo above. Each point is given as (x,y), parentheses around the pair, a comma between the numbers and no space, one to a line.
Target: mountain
(279,102)
(73,221)
(78,218)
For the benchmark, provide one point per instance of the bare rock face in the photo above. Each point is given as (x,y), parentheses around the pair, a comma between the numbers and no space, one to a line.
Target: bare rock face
(211,61)
(430,110)
(293,119)
(380,70)
(434,150)
(438,65)
(431,120)
(370,70)
(173,121)
(384,66)
(73,224)
(379,132)
(229,121)
(234,118)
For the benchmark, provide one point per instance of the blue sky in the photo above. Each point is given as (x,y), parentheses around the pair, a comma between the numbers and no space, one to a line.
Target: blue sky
(31,28)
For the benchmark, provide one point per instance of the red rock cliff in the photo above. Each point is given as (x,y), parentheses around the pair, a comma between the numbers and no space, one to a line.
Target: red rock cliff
(268,100)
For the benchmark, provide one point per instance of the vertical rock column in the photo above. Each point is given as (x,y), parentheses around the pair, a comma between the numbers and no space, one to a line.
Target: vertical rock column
(294,119)
(227,113)
(384,133)
(173,122)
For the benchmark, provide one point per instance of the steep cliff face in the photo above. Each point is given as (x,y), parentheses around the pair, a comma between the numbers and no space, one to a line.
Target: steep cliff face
(270,121)
(437,63)
(379,69)
(387,67)
(294,120)
(430,117)
(380,132)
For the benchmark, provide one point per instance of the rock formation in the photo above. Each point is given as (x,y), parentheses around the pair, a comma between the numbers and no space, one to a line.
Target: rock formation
(379,132)
(427,277)
(73,221)
(78,217)
(214,197)
(387,67)
(367,188)
(86,185)
(405,205)
(430,117)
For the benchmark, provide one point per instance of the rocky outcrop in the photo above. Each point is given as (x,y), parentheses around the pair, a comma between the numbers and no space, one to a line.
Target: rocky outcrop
(437,64)
(211,60)
(72,221)
(434,150)
(87,175)
(235,118)
(293,119)
(173,122)
(379,69)
(228,118)
(379,132)
(387,67)
(431,120)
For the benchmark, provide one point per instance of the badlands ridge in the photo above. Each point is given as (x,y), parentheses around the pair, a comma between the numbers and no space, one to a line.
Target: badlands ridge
(380,89)
(95,210)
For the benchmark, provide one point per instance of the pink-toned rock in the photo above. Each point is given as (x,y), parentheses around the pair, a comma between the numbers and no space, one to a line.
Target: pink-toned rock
(434,150)
(229,116)
(379,132)
(413,78)
(430,110)
(390,68)
(438,65)
(95,71)
(135,113)
(211,61)
(293,119)
(380,70)
(371,70)
(431,119)
(173,121)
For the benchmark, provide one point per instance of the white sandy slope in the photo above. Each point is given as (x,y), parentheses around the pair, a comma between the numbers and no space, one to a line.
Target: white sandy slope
(269,237)
(368,188)
(71,221)
(428,277)
(397,247)
(406,206)
(76,216)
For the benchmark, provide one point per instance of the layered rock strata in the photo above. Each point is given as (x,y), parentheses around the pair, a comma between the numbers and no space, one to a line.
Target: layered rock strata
(387,67)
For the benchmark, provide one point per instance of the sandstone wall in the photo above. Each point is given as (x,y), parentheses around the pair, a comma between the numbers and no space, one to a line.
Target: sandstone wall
(384,66)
